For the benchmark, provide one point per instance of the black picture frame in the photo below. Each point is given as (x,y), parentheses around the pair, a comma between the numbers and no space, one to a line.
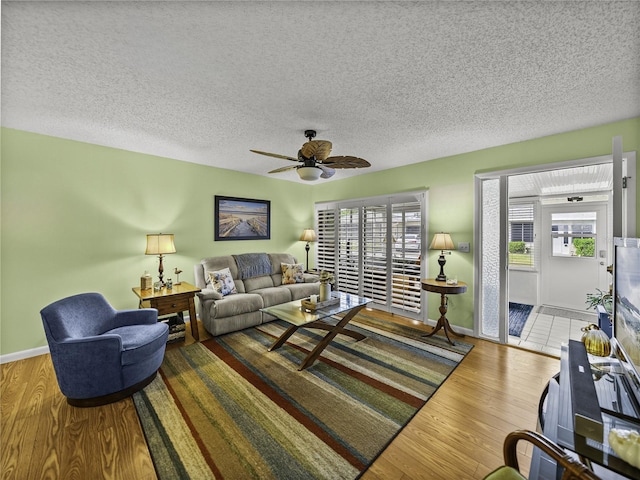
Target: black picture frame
(241,218)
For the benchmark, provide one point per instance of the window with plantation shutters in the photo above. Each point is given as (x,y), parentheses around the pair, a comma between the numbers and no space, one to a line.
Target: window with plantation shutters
(374,248)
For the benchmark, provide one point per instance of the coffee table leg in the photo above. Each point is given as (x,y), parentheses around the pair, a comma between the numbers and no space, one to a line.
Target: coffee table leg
(334,330)
(284,337)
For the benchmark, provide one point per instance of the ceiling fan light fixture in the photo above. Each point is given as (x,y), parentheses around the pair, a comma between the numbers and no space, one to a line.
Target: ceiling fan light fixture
(309,174)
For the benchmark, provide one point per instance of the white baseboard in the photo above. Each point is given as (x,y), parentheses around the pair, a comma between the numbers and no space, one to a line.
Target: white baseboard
(34,352)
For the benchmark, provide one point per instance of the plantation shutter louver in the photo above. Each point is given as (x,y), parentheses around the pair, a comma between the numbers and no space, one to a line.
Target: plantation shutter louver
(348,250)
(405,267)
(374,255)
(326,236)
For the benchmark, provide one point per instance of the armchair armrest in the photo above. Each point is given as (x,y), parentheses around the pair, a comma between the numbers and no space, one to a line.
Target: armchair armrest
(140,316)
(84,366)
(573,468)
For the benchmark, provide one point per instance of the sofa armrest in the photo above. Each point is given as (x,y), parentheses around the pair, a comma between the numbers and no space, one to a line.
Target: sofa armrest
(209,294)
(311,278)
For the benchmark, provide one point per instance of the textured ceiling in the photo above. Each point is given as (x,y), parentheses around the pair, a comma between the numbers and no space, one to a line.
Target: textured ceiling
(392,82)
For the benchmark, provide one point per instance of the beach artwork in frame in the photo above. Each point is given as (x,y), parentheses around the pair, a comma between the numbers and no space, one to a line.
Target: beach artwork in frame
(242,219)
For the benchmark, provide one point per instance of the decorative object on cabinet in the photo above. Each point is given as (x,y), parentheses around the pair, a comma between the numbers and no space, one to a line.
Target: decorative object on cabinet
(146,281)
(177,271)
(596,341)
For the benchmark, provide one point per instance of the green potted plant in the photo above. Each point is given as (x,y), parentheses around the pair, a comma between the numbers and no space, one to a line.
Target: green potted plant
(600,298)
(602,303)
(326,280)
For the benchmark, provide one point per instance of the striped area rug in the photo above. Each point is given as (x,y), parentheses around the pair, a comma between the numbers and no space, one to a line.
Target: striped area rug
(228,408)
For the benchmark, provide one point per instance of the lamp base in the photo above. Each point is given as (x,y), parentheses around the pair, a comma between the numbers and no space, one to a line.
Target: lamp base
(161,271)
(441,276)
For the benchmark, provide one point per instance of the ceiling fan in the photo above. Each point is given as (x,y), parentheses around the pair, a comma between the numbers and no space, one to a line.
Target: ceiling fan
(314,160)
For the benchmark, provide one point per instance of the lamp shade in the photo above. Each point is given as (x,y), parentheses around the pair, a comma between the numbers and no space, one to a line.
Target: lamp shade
(160,244)
(308,235)
(442,241)
(309,173)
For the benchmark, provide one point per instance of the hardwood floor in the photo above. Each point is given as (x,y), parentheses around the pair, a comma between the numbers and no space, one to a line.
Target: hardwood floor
(458,434)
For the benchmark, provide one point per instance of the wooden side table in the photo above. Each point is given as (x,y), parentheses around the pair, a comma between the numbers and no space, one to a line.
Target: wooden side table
(177,300)
(444,289)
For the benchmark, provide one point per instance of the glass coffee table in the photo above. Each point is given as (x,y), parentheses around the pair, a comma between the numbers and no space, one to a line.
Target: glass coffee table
(299,317)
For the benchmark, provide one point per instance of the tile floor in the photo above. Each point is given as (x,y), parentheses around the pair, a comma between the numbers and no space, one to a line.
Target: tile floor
(545,333)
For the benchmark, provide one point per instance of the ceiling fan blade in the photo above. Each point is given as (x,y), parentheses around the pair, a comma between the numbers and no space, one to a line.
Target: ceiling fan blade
(283,169)
(320,149)
(326,171)
(346,162)
(284,157)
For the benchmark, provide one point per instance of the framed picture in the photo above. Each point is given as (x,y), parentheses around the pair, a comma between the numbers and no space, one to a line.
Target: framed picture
(242,219)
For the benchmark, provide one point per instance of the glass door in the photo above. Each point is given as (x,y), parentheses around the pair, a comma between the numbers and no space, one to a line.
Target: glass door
(576,254)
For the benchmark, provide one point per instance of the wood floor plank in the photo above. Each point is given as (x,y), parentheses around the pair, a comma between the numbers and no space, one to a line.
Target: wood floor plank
(458,434)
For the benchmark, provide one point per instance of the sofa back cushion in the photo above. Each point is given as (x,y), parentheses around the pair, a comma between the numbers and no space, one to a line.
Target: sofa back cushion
(255,283)
(212,264)
(277,259)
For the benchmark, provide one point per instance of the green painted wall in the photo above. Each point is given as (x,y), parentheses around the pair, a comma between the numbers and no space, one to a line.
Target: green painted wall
(75,215)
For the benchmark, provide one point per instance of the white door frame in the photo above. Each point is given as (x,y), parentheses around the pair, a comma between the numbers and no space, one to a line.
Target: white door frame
(622,216)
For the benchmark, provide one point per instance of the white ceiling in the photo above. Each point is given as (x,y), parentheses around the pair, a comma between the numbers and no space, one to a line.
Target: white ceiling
(392,82)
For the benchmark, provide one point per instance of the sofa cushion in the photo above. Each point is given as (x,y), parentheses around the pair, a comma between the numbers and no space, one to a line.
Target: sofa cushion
(274,295)
(255,283)
(222,282)
(292,273)
(277,259)
(238,304)
(140,341)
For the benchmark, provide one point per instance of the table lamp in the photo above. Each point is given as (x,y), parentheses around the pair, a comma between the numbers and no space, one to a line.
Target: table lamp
(160,244)
(308,235)
(442,241)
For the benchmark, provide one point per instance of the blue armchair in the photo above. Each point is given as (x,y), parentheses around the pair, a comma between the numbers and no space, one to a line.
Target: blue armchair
(101,355)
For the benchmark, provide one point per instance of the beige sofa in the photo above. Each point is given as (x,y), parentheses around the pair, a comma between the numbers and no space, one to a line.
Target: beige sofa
(257,286)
